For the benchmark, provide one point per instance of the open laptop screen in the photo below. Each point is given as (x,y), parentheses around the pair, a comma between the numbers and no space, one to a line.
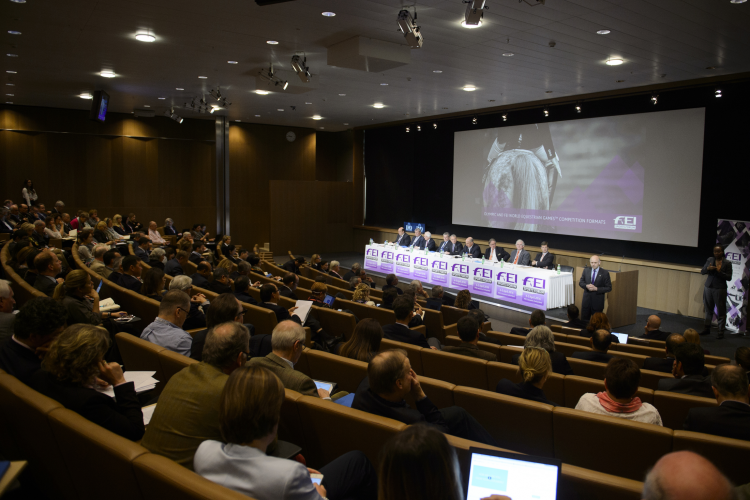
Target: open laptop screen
(622,337)
(513,475)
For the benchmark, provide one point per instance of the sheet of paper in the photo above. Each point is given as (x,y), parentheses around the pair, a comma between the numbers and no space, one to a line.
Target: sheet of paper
(143,381)
(303,309)
(148,412)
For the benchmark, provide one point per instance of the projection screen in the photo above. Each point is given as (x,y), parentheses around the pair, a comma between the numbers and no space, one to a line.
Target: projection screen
(633,177)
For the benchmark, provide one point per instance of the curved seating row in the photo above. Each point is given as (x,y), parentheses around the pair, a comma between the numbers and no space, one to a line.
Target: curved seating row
(22,291)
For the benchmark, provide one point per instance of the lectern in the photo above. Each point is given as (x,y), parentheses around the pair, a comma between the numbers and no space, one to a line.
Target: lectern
(621,303)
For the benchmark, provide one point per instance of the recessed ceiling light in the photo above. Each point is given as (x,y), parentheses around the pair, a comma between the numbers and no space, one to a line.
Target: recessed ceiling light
(85,95)
(12,55)
(321,128)
(232,62)
(437,71)
(11,95)
(470,26)
(262,92)
(470,88)
(18,1)
(202,77)
(603,32)
(257,116)
(508,54)
(329,14)
(342,95)
(11,32)
(8,102)
(10,84)
(614,62)
(272,42)
(346,124)
(179,88)
(238,120)
(11,72)
(107,74)
(146,106)
(280,109)
(384,84)
(737,1)
(308,103)
(145,37)
(161,98)
(378,105)
(317,117)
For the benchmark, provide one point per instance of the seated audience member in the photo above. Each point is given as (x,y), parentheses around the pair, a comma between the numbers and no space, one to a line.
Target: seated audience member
(598,321)
(55,228)
(242,269)
(391,280)
(600,342)
(241,287)
(79,222)
(73,294)
(287,343)
(169,229)
(47,267)
(389,296)
(174,267)
(390,379)
(169,252)
(536,318)
(41,240)
(288,285)
(618,399)
(318,292)
(366,279)
(93,219)
(133,224)
(574,320)
(742,358)
(694,337)
(197,234)
(7,318)
(688,373)
(534,367)
(463,300)
(471,250)
(468,330)
(101,235)
(417,289)
(6,226)
(541,336)
(652,331)
(166,330)
(417,318)
(116,274)
(664,364)
(221,282)
(436,301)
(479,317)
(196,254)
(403,308)
(154,235)
(293,266)
(156,258)
(107,259)
(198,304)
(225,264)
(315,261)
(420,463)
(361,293)
(354,272)
(364,343)
(69,372)
(335,268)
(30,275)
(224,309)
(85,245)
(142,249)
(353,282)
(188,410)
(254,261)
(117,224)
(269,299)
(323,267)
(686,475)
(731,418)
(153,284)
(249,414)
(131,274)
(202,275)
(36,325)
(97,265)
(110,230)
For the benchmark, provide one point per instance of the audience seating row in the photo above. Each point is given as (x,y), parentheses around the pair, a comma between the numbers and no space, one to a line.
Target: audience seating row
(22,291)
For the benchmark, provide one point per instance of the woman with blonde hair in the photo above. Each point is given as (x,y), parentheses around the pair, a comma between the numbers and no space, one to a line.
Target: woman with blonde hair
(117,224)
(110,229)
(74,292)
(225,264)
(693,337)
(541,336)
(101,235)
(362,293)
(534,367)
(315,261)
(74,365)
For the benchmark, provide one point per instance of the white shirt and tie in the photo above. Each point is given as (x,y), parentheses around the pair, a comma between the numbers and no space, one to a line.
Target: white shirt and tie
(444,246)
(493,255)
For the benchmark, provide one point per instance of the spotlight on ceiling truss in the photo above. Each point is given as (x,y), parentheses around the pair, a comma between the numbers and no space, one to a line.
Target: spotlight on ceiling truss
(409,28)
(171,114)
(474,12)
(299,65)
(270,77)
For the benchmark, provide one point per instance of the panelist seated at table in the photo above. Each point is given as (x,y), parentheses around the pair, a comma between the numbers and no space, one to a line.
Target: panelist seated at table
(402,239)
(454,247)
(519,255)
(429,243)
(443,247)
(544,259)
(494,253)
(419,240)
(471,249)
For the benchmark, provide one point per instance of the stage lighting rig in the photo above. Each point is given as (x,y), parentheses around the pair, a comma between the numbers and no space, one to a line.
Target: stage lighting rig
(409,28)
(171,114)
(299,65)
(270,77)
(474,12)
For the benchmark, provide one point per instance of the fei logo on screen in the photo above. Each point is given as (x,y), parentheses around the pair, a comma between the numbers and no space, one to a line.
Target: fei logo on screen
(626,222)
(411,226)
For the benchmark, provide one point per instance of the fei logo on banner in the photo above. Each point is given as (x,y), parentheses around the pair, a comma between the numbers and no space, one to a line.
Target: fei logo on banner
(534,293)
(482,281)
(421,269)
(626,222)
(371,258)
(459,276)
(506,285)
(439,272)
(403,265)
(386,261)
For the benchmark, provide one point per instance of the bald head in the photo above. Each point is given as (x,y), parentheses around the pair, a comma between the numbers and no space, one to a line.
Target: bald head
(600,340)
(673,341)
(685,475)
(654,322)
(385,369)
(595,262)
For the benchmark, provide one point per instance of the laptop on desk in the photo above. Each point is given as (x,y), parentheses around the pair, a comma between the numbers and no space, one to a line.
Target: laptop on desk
(520,477)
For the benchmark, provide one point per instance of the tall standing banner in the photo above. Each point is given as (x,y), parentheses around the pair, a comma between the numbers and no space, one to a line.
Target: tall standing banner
(734,237)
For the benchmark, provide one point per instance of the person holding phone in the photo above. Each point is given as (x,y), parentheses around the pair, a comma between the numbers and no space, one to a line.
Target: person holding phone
(249,413)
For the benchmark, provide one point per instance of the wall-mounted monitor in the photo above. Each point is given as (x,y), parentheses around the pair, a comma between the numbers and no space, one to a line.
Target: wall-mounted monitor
(99,106)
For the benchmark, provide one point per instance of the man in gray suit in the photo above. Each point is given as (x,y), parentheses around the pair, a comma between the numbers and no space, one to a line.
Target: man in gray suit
(687,371)
(519,255)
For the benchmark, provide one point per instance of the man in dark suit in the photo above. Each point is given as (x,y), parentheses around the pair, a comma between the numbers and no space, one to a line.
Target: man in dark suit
(732,417)
(131,273)
(418,241)
(403,239)
(391,280)
(335,269)
(269,298)
(443,247)
(5,224)
(221,282)
(519,255)
(293,266)
(664,364)
(196,256)
(719,271)
(435,302)
(47,266)
(595,283)
(471,250)
(289,285)
(403,308)
(495,253)
(600,343)
(536,318)
(142,249)
(468,330)
(454,247)
(202,275)
(687,370)
(429,243)
(652,331)
(40,239)
(173,267)
(355,271)
(573,320)
(544,259)
(389,296)
(241,287)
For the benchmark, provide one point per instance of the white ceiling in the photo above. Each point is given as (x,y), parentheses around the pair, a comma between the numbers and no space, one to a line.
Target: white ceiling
(65,43)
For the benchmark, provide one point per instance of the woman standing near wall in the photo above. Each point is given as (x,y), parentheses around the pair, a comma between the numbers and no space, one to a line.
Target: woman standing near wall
(28,193)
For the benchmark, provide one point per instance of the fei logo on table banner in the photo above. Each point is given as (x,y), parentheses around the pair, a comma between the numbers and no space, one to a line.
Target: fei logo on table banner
(459,276)
(534,292)
(439,272)
(482,281)
(403,265)
(421,268)
(371,258)
(386,261)
(506,286)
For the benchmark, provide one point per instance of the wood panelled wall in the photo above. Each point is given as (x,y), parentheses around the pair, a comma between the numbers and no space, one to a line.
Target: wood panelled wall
(311,217)
(259,154)
(154,167)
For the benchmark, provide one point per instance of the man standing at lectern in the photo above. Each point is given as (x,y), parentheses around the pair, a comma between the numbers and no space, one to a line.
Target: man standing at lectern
(595,283)
(719,271)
